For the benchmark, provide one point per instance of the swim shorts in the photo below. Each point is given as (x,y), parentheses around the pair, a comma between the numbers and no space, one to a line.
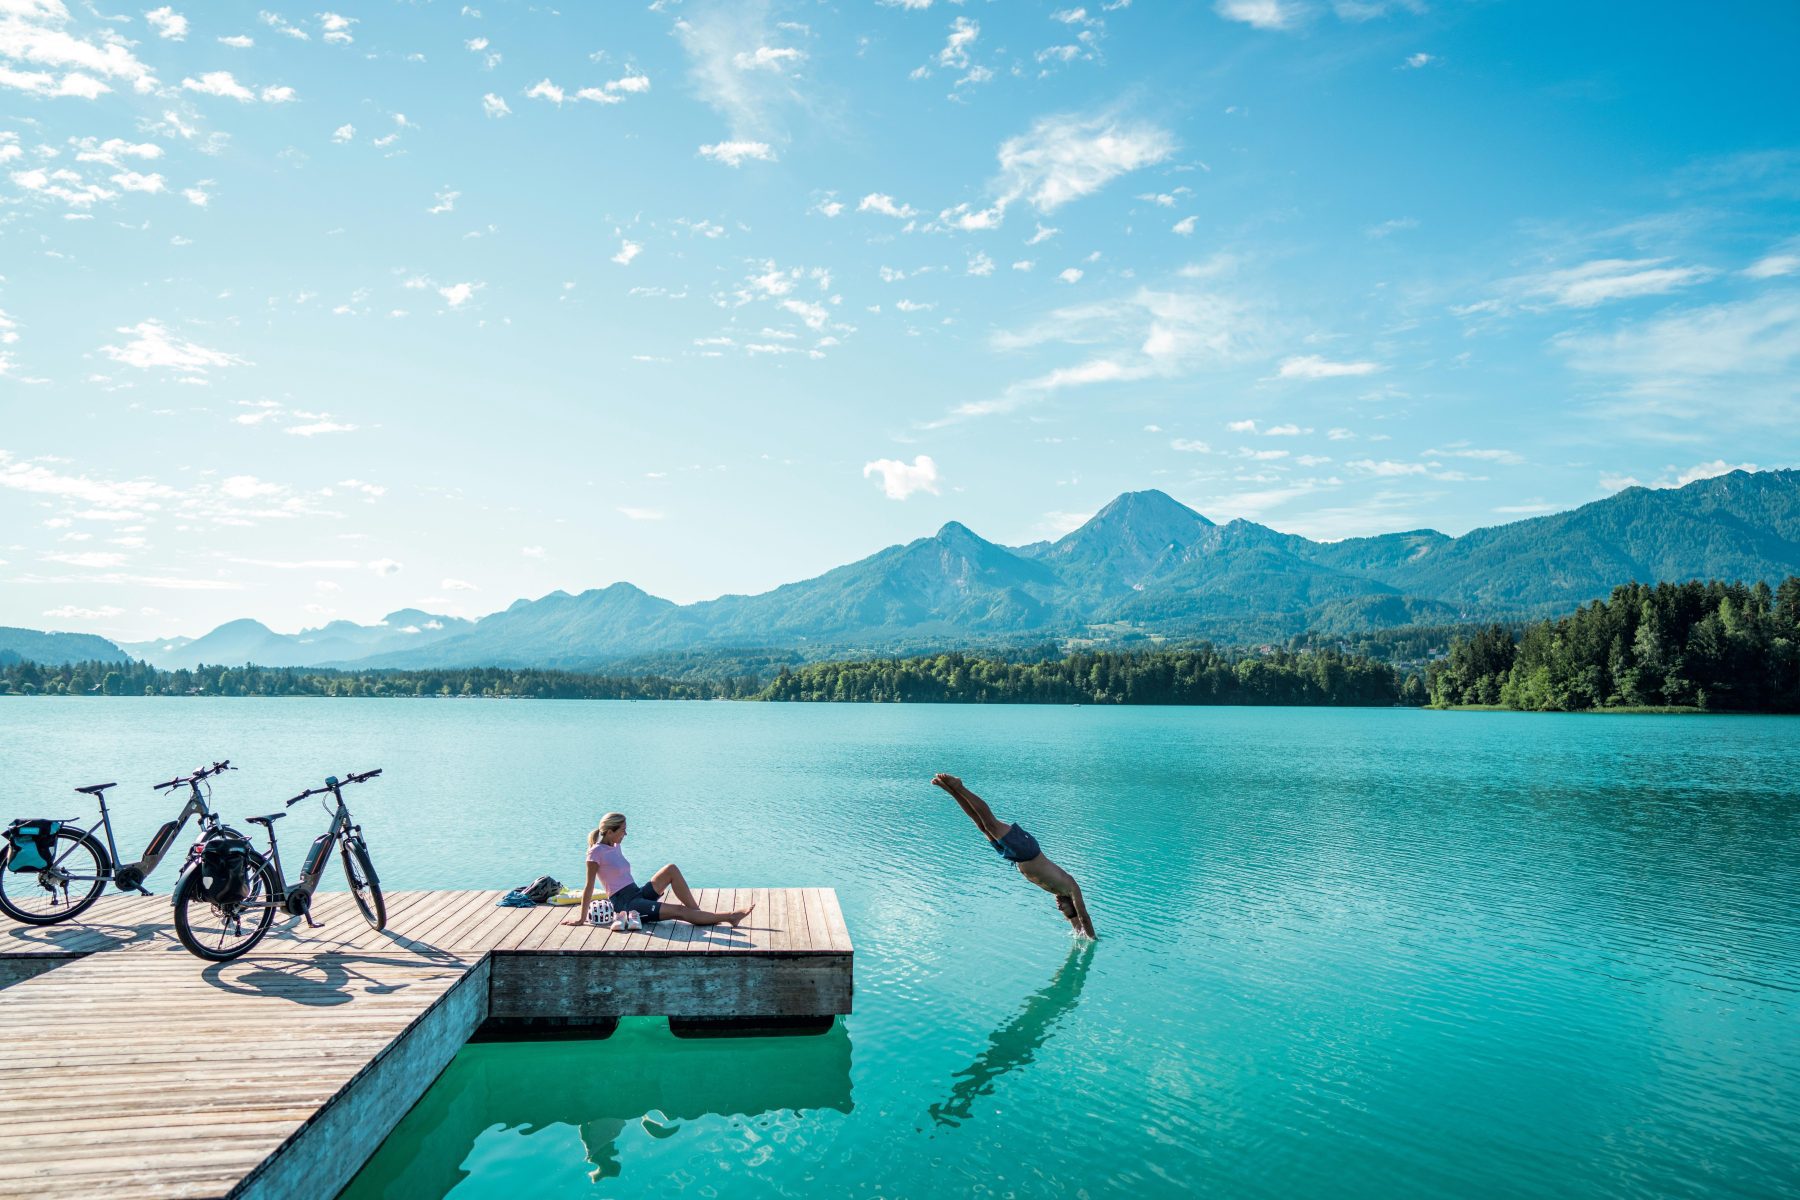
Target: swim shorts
(1017,846)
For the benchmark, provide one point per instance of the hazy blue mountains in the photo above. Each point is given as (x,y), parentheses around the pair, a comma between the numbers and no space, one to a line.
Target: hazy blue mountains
(28,645)
(1143,565)
(247,641)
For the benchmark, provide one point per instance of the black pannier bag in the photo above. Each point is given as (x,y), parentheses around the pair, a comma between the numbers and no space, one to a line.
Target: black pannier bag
(33,844)
(225,868)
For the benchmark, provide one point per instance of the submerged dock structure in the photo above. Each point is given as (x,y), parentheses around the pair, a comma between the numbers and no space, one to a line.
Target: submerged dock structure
(134,1069)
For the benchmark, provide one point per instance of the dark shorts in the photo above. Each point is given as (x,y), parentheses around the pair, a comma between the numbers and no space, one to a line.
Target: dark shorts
(1017,846)
(639,898)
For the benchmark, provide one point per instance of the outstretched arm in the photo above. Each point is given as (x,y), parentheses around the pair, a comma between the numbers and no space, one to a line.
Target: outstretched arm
(1087,924)
(587,894)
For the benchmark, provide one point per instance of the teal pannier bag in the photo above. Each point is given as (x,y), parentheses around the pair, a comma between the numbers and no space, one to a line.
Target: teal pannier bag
(33,844)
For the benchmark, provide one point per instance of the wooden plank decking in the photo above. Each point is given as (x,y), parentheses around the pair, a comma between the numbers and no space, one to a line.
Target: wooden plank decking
(134,1069)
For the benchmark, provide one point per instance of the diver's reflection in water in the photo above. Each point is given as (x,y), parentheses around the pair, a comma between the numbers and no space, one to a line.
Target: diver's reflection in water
(1015,1043)
(639,1076)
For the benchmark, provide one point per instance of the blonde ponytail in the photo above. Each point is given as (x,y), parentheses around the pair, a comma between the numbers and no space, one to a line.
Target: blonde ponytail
(608,823)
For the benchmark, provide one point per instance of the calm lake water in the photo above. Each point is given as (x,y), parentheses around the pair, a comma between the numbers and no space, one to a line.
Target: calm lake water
(1358,953)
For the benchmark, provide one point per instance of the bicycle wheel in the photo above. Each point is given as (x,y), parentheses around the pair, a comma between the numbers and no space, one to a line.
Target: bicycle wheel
(220,933)
(363,884)
(73,880)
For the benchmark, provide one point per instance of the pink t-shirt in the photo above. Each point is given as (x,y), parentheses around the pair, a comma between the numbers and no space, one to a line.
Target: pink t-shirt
(615,872)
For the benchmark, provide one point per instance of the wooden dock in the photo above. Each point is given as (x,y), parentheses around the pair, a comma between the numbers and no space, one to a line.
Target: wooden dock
(134,1069)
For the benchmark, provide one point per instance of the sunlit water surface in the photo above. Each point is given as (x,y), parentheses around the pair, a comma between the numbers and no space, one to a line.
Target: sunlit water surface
(1362,953)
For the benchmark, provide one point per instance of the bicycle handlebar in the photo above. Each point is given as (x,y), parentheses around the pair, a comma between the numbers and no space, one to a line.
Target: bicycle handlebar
(196,777)
(333,783)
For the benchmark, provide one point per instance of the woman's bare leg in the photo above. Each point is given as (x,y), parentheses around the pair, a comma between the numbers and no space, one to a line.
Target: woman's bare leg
(699,916)
(670,877)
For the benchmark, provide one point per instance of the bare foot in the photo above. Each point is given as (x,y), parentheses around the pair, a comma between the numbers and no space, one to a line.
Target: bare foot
(732,919)
(576,921)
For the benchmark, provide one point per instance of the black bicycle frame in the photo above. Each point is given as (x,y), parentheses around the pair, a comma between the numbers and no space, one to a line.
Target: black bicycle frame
(131,876)
(297,900)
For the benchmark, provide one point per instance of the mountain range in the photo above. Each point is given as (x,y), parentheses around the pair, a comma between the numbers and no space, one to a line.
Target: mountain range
(1145,565)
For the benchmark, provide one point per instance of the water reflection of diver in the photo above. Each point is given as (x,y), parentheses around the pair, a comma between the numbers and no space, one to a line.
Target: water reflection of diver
(1015,1044)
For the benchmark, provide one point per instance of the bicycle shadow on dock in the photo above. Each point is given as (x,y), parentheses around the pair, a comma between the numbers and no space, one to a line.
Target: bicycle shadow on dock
(79,937)
(324,979)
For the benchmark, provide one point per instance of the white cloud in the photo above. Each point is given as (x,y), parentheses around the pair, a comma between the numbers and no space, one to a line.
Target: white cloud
(1415,61)
(337,28)
(886,205)
(1061,159)
(901,479)
(1263,14)
(1247,426)
(815,315)
(238,41)
(343,133)
(384,566)
(641,514)
(734,154)
(1312,366)
(532,551)
(1288,430)
(1185,226)
(154,346)
(628,250)
(70,612)
(1150,334)
(33,34)
(494,106)
(1190,446)
(1773,266)
(1736,361)
(168,23)
(1044,233)
(1070,274)
(62,184)
(456,585)
(446,202)
(225,85)
(768,58)
(980,264)
(132,181)
(458,294)
(543,89)
(315,428)
(1593,283)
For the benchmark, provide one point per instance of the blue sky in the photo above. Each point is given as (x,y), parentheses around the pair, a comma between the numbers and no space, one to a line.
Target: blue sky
(309,314)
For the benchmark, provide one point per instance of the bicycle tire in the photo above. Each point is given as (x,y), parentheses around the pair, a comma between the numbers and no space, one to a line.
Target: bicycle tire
(18,881)
(365,888)
(197,940)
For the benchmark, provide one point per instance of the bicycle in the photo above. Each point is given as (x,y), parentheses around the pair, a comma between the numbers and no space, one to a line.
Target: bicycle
(218,917)
(71,855)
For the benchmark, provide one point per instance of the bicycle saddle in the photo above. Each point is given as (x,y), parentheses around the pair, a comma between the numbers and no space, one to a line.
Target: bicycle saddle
(94,789)
(267,821)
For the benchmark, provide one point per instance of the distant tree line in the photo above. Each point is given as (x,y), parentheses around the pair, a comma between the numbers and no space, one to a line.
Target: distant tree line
(1716,646)
(141,679)
(1200,675)
(1203,675)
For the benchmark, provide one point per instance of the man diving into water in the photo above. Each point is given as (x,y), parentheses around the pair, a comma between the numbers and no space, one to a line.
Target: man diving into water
(1022,850)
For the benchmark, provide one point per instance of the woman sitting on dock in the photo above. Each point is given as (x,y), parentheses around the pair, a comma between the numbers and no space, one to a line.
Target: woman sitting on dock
(606,863)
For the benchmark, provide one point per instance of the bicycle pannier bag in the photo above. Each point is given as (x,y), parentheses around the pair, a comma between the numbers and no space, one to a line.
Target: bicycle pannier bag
(225,869)
(33,844)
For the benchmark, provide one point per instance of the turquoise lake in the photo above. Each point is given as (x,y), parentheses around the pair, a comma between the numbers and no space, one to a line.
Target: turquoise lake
(1353,953)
